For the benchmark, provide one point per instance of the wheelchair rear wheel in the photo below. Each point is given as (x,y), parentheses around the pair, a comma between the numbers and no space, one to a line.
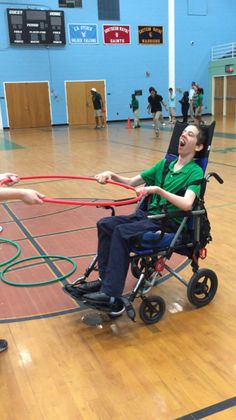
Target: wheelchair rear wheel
(202,287)
(152,309)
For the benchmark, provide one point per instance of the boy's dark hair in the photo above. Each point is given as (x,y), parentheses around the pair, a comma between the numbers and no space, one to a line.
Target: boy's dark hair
(201,136)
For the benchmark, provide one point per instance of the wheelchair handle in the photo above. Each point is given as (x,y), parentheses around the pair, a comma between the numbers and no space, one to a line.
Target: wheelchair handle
(216,176)
(113,213)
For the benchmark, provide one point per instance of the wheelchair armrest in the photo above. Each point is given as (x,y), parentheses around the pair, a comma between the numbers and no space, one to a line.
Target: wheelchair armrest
(170,215)
(173,214)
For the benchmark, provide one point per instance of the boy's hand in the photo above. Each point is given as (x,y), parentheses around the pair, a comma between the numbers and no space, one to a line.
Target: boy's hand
(146,190)
(32,196)
(103,177)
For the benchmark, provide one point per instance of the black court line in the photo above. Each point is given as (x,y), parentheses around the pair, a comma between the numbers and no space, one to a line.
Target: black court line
(57,233)
(48,315)
(40,250)
(212,409)
(54,269)
(48,214)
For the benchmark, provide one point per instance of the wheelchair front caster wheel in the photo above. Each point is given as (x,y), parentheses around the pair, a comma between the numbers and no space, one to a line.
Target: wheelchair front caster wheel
(202,287)
(152,309)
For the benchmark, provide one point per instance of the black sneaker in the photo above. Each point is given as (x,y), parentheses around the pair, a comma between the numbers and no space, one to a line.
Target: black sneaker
(99,297)
(3,345)
(118,308)
(78,290)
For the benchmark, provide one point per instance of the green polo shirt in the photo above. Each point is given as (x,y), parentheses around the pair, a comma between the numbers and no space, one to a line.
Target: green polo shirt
(173,183)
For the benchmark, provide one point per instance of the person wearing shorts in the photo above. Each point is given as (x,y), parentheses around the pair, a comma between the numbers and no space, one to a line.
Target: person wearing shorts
(155,103)
(98,106)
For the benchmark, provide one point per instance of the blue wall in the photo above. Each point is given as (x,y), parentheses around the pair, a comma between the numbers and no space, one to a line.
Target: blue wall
(205,30)
(123,67)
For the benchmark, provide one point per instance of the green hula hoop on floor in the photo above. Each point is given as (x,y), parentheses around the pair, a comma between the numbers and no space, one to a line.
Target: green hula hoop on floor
(16,245)
(39,283)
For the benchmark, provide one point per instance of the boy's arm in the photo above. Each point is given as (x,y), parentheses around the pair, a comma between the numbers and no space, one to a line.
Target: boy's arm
(103,177)
(183,203)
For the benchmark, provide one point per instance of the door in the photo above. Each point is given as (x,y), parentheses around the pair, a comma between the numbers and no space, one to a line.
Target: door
(231,96)
(28,104)
(219,96)
(79,100)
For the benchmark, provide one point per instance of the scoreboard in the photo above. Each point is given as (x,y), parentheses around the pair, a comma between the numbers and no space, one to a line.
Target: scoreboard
(36,27)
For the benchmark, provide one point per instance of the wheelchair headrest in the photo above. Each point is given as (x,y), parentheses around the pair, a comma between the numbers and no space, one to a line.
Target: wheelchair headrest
(200,157)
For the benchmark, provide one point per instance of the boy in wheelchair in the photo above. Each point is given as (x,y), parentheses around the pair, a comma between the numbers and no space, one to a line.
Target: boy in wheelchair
(117,234)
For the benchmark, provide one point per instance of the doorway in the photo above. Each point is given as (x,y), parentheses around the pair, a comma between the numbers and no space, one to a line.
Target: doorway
(231,96)
(218,96)
(79,100)
(28,104)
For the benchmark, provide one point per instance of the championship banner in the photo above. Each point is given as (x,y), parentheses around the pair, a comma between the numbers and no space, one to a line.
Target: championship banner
(150,35)
(116,34)
(83,33)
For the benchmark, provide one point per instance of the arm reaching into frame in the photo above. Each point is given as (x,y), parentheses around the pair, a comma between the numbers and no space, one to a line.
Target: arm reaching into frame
(26,195)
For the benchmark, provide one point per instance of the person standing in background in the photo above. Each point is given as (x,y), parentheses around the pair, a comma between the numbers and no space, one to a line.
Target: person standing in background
(98,107)
(184,101)
(199,106)
(135,108)
(171,106)
(192,98)
(155,103)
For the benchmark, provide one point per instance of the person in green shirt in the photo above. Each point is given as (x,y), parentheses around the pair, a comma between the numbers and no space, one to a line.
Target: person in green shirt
(199,106)
(135,108)
(115,234)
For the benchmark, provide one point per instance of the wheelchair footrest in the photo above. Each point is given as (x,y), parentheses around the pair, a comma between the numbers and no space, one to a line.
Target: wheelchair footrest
(112,307)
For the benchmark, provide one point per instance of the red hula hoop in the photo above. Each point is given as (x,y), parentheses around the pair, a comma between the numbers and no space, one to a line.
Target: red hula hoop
(83,203)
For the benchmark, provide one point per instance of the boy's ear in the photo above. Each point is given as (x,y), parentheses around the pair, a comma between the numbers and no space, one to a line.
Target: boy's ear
(199,147)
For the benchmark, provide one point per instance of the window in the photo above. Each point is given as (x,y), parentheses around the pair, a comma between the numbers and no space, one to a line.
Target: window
(70,3)
(108,9)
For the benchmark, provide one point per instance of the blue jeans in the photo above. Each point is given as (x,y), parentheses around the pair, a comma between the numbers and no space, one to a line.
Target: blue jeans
(115,235)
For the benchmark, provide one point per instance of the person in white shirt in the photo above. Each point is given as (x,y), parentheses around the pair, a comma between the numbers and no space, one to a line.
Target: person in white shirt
(171,106)
(192,95)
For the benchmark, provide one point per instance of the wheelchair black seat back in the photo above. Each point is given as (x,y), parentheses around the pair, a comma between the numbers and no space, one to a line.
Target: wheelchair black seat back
(150,258)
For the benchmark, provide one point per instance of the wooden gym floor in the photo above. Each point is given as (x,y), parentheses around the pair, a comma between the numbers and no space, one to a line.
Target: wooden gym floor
(57,367)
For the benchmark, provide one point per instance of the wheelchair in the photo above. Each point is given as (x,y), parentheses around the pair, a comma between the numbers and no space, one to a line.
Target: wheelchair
(150,254)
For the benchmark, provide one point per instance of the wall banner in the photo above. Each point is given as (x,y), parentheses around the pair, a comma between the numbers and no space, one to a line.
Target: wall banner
(116,34)
(82,33)
(150,35)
